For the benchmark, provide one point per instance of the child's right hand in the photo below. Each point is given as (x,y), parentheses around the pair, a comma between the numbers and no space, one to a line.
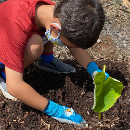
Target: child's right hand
(92,69)
(64,114)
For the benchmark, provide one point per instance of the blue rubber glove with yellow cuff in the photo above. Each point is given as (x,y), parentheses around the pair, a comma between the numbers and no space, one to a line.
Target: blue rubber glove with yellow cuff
(64,114)
(92,69)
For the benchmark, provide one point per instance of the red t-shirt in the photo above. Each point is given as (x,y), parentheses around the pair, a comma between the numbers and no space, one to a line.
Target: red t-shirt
(17,24)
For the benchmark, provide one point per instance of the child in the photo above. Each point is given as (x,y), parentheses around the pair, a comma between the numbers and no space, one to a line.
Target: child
(76,24)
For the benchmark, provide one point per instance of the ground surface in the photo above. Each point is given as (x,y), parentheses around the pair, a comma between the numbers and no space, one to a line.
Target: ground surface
(76,90)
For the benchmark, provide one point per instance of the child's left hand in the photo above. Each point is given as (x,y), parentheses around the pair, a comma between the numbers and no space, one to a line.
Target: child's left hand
(64,114)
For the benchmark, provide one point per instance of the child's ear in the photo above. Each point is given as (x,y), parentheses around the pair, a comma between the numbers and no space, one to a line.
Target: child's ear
(54,26)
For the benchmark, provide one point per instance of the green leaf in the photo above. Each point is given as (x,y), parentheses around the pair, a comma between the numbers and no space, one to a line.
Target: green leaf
(106,92)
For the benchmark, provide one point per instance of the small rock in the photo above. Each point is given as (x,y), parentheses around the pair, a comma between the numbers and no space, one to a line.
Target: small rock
(98,41)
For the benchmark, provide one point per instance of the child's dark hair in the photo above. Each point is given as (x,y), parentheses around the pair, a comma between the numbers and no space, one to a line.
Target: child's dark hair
(81,21)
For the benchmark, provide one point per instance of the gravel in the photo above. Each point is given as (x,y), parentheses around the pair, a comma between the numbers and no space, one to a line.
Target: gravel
(118,25)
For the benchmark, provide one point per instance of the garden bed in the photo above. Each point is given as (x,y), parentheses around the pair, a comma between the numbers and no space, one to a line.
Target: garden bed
(76,90)
(73,90)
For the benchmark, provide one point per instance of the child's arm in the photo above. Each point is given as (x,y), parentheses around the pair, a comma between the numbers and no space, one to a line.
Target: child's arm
(81,56)
(84,59)
(24,92)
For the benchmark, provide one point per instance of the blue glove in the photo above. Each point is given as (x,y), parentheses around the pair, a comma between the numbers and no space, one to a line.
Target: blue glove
(64,114)
(92,69)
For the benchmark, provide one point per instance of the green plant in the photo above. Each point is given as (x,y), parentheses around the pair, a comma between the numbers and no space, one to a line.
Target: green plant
(106,92)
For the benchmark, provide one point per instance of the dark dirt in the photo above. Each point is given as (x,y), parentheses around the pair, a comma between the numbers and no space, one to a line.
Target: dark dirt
(76,89)
(73,90)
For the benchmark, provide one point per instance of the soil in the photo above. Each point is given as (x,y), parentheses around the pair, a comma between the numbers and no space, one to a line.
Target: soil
(76,90)
(73,90)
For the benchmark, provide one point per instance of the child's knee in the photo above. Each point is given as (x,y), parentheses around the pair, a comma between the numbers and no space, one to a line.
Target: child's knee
(34,46)
(37,43)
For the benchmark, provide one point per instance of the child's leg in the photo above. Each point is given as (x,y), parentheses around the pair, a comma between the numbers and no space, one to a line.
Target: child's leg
(33,50)
(47,55)
(48,47)
(49,63)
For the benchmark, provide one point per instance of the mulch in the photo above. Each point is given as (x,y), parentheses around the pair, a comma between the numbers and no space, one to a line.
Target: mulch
(74,90)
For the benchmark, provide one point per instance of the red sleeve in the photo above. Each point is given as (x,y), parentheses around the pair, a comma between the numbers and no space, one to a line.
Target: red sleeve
(13,41)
